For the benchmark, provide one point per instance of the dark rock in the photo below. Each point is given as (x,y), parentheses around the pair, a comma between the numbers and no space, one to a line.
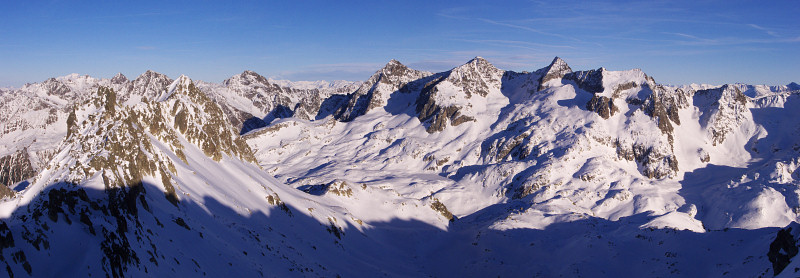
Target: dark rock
(782,250)
(392,77)
(590,81)
(14,168)
(603,106)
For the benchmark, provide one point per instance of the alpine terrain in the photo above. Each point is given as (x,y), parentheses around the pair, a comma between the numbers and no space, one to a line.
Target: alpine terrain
(475,171)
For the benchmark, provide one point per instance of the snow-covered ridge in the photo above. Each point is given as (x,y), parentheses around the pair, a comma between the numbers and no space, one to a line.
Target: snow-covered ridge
(475,171)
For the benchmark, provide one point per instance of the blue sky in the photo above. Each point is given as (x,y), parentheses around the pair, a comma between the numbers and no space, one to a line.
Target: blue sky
(676,42)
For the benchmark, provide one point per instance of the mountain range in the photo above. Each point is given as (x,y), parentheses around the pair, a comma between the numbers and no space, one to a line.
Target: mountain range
(475,171)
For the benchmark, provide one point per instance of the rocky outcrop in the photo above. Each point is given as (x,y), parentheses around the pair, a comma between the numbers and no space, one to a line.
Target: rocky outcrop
(662,106)
(604,106)
(203,123)
(590,81)
(436,116)
(657,161)
(115,141)
(723,110)
(783,248)
(148,85)
(15,168)
(251,101)
(445,95)
(55,87)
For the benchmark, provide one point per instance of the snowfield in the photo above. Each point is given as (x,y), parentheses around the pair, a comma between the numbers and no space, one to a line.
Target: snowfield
(474,171)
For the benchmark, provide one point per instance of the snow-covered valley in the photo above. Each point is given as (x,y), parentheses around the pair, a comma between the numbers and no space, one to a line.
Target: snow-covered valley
(475,171)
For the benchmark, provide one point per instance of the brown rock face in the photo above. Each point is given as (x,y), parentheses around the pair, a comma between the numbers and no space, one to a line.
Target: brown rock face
(392,77)
(724,109)
(437,116)
(604,106)
(117,139)
(590,81)
(14,168)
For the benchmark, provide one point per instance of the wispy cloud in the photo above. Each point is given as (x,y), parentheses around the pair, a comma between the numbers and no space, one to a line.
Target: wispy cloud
(520,44)
(692,38)
(768,31)
(451,14)
(526,28)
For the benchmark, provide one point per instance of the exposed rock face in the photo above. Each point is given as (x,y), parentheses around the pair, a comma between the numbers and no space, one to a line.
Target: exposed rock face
(375,91)
(517,143)
(202,122)
(33,119)
(476,77)
(113,140)
(119,79)
(109,139)
(724,109)
(657,161)
(148,85)
(439,107)
(251,101)
(435,115)
(15,168)
(622,87)
(590,81)
(442,209)
(557,69)
(55,87)
(663,106)
(604,106)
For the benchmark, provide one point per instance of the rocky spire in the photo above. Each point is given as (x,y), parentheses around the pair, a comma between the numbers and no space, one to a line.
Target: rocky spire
(557,69)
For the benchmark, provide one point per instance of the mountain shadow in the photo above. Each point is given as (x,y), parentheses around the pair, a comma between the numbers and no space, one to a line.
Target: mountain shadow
(136,231)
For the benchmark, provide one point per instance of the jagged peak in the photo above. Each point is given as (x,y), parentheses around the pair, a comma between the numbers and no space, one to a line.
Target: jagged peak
(557,69)
(119,79)
(557,66)
(793,86)
(247,73)
(478,64)
(149,74)
(246,78)
(477,59)
(558,61)
(181,84)
(392,66)
(393,62)
(51,80)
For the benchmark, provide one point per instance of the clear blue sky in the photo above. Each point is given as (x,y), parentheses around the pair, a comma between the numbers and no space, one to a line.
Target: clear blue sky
(676,42)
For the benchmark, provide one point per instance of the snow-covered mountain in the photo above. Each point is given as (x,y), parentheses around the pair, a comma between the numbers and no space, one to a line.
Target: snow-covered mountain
(475,171)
